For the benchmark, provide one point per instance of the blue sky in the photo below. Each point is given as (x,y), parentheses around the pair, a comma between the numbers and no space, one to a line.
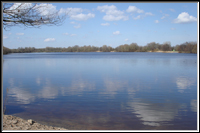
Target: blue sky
(111,24)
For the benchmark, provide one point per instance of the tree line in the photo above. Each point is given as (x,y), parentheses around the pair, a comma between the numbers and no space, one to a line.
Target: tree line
(187,47)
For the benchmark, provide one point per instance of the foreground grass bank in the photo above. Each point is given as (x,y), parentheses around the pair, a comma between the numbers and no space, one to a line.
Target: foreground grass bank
(15,123)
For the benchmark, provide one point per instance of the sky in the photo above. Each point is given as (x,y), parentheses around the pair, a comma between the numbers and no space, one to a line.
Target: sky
(110,24)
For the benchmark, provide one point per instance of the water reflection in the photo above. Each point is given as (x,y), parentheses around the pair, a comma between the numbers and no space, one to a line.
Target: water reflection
(184,83)
(27,95)
(123,91)
(38,80)
(153,114)
(78,86)
(193,105)
(48,91)
(21,95)
(113,86)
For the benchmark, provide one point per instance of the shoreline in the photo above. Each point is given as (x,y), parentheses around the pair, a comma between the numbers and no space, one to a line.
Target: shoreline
(11,122)
(107,52)
(164,51)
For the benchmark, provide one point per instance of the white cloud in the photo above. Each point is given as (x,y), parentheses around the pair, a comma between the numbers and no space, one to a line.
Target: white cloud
(162,17)
(134,9)
(49,40)
(156,21)
(20,6)
(4,37)
(69,34)
(66,33)
(72,22)
(165,15)
(71,11)
(116,33)
(105,24)
(47,9)
(82,16)
(115,18)
(126,39)
(77,26)
(172,10)
(106,8)
(76,14)
(112,14)
(73,35)
(184,17)
(173,28)
(44,9)
(138,17)
(149,14)
(19,34)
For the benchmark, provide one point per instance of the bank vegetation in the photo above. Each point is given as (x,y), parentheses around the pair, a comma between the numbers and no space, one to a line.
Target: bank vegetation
(187,47)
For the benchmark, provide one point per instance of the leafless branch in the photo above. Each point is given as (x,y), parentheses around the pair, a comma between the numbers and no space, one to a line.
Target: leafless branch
(30,15)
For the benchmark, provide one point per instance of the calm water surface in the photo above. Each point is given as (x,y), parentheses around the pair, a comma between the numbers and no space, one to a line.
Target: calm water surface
(116,91)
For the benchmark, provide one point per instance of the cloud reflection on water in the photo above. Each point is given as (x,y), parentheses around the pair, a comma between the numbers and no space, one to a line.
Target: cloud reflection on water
(193,105)
(150,113)
(184,83)
(153,114)
(48,90)
(27,95)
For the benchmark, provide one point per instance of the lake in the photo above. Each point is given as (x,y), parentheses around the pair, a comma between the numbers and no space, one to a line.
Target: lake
(104,91)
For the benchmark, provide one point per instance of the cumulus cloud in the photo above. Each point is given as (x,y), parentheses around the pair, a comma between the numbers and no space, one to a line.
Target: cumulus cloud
(46,9)
(20,6)
(77,26)
(72,22)
(112,14)
(116,33)
(4,37)
(69,34)
(19,34)
(156,21)
(73,35)
(138,17)
(66,33)
(105,24)
(76,14)
(165,15)
(184,17)
(82,16)
(49,40)
(134,9)
(71,11)
(126,39)
(172,10)
(149,14)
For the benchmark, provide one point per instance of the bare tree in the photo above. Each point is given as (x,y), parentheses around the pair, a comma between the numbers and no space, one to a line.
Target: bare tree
(31,15)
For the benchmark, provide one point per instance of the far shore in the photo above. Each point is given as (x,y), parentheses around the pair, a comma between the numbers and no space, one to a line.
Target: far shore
(106,52)
(150,51)
(165,51)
